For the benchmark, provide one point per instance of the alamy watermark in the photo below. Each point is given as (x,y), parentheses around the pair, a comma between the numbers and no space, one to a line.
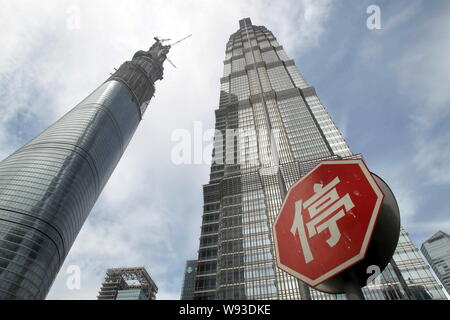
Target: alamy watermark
(230,146)
(373,22)
(73,21)
(73,281)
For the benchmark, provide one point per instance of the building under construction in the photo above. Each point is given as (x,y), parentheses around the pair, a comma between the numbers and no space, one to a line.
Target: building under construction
(128,284)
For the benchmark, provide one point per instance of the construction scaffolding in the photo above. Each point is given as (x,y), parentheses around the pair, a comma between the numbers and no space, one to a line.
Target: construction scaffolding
(120,280)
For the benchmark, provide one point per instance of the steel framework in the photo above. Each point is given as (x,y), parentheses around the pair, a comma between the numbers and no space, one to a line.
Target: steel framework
(125,279)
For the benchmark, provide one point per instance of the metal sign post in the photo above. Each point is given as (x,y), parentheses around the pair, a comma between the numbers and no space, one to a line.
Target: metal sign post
(352,288)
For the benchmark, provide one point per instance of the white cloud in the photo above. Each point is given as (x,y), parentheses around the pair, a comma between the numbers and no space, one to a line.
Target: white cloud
(150,211)
(407,12)
(430,227)
(423,72)
(433,152)
(403,184)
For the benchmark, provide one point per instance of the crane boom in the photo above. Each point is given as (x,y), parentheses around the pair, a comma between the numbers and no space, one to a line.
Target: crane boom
(180,40)
(171,45)
(170,62)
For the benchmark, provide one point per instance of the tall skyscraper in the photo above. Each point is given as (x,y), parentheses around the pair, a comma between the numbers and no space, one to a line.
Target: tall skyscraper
(187,290)
(436,250)
(49,186)
(271,130)
(128,284)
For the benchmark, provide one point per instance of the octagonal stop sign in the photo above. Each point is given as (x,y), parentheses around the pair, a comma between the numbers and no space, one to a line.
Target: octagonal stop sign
(327,220)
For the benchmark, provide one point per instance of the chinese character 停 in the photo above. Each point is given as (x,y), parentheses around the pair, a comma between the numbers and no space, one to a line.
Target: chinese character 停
(324,203)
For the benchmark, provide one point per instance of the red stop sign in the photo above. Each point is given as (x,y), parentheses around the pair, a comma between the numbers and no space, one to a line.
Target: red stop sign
(326,220)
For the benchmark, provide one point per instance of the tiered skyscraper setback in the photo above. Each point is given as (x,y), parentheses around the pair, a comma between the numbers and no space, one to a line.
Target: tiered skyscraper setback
(271,130)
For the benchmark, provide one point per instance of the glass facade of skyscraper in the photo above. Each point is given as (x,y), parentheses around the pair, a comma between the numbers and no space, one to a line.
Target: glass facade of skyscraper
(131,294)
(49,186)
(187,290)
(437,251)
(271,129)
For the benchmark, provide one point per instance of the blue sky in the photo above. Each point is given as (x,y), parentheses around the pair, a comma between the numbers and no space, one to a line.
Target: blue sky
(387,91)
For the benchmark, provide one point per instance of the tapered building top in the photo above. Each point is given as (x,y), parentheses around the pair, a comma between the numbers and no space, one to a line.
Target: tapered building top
(140,74)
(245,22)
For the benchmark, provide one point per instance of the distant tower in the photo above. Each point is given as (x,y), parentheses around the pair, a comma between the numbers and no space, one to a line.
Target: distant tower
(49,186)
(128,284)
(436,250)
(187,291)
